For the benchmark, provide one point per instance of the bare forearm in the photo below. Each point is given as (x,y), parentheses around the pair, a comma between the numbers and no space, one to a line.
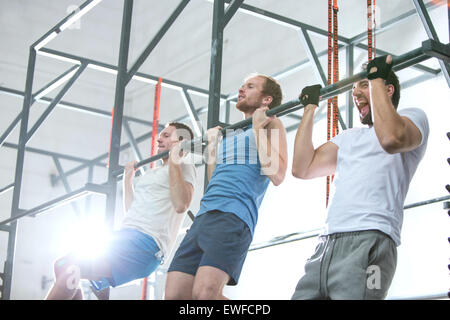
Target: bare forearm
(180,191)
(212,159)
(128,194)
(303,146)
(271,146)
(389,126)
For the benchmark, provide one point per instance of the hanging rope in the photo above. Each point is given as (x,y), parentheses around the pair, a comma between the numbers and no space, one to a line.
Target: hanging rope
(333,77)
(335,68)
(152,153)
(374,29)
(329,101)
(371,26)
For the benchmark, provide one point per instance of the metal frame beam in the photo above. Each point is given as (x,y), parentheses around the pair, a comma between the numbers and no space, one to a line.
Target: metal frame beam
(220,19)
(312,56)
(125,146)
(159,35)
(296,236)
(20,159)
(432,34)
(119,101)
(230,11)
(55,154)
(76,107)
(65,182)
(58,98)
(193,115)
(109,68)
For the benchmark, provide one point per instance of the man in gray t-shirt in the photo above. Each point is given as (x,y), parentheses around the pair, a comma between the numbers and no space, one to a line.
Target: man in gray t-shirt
(373,166)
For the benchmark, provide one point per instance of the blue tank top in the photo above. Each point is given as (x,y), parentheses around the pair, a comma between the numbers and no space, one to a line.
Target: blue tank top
(237,185)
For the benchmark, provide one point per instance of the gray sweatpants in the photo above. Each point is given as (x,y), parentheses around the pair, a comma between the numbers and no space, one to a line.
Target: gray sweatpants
(350,265)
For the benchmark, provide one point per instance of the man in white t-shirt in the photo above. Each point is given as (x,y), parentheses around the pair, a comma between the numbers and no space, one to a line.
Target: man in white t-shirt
(373,166)
(154,211)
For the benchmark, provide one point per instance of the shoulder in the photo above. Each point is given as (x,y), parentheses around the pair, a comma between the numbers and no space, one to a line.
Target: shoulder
(413,113)
(419,118)
(187,164)
(345,134)
(275,124)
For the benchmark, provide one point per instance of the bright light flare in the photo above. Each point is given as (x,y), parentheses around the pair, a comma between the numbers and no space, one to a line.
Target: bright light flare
(86,241)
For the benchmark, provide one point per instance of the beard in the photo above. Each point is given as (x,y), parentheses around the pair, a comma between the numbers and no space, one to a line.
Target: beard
(367,119)
(244,107)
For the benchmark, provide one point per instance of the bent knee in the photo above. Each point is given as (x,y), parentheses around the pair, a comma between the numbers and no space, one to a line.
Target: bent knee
(65,267)
(206,292)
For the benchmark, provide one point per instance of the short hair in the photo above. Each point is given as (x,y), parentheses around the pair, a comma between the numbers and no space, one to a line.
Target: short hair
(184,132)
(271,88)
(391,79)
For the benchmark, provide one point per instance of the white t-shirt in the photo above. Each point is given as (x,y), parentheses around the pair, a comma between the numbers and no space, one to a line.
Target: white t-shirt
(151,211)
(370,185)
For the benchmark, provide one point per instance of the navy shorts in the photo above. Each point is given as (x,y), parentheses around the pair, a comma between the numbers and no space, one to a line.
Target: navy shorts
(215,239)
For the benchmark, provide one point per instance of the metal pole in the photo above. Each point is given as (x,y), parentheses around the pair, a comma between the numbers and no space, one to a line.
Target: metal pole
(215,70)
(8,268)
(74,107)
(57,202)
(216,64)
(315,232)
(312,56)
(118,111)
(400,62)
(231,10)
(140,61)
(55,101)
(431,32)
(66,183)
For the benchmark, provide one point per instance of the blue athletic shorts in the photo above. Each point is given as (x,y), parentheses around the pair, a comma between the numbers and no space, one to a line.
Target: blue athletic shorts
(132,255)
(215,239)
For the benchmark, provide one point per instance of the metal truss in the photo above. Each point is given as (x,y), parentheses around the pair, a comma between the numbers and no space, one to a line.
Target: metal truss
(223,11)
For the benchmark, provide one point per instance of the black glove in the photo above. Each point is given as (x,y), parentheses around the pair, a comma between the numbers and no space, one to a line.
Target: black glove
(383,68)
(310,95)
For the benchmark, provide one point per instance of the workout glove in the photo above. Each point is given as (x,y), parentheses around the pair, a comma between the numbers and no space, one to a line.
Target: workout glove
(383,68)
(310,95)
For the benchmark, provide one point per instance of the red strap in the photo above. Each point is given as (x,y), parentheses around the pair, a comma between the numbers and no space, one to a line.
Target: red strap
(156,119)
(369,29)
(333,67)
(373,32)
(329,101)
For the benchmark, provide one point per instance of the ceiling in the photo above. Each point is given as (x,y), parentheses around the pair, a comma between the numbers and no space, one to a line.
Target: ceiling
(252,43)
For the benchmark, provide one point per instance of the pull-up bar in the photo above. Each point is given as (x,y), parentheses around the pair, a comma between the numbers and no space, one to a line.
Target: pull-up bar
(429,48)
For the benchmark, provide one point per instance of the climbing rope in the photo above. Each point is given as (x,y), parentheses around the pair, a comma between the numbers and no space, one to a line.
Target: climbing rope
(333,77)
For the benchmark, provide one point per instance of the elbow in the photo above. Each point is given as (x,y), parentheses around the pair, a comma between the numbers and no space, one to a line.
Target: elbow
(278,178)
(300,174)
(181,208)
(277,181)
(183,205)
(296,173)
(391,145)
